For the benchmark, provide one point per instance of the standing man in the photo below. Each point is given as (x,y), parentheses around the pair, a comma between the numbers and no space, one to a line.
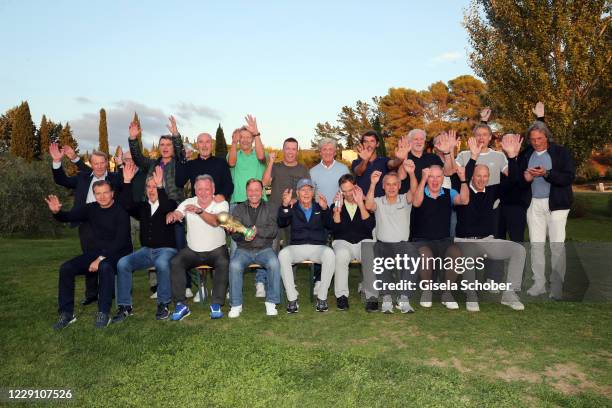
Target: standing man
(82,184)
(110,240)
(157,241)
(205,245)
(246,163)
(548,174)
(254,213)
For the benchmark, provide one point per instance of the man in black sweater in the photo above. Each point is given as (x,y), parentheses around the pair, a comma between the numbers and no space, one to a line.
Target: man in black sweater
(110,241)
(350,224)
(308,238)
(477,225)
(156,237)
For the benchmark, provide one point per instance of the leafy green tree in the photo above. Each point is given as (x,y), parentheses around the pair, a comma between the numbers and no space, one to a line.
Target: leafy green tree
(557,52)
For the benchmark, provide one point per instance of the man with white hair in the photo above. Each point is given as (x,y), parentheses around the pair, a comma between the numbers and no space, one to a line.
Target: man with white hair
(326,174)
(205,245)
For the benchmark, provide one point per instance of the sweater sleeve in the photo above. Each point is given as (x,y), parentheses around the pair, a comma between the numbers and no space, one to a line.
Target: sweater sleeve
(285,215)
(563,174)
(79,214)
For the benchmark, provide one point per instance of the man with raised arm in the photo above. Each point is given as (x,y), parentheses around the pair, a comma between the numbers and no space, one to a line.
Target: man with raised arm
(110,240)
(158,244)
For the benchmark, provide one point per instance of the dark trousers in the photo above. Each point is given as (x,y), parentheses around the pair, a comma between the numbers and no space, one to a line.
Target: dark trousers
(181,242)
(187,259)
(512,222)
(79,266)
(91,279)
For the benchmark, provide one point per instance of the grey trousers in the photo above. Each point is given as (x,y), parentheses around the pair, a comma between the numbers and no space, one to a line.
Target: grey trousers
(292,254)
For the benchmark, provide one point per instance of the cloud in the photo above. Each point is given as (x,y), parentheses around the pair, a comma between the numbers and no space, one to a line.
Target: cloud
(187,110)
(118,117)
(83,99)
(450,56)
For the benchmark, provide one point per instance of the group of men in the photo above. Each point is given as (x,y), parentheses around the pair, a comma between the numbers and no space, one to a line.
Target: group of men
(417,204)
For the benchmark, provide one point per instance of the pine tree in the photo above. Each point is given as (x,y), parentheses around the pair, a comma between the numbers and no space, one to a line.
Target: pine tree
(23,133)
(103,133)
(6,128)
(66,138)
(43,136)
(220,144)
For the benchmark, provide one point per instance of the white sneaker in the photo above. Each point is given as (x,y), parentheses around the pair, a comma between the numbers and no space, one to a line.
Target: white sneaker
(235,311)
(426,299)
(387,307)
(360,288)
(405,307)
(536,290)
(491,281)
(260,290)
(452,305)
(271,309)
(472,306)
(196,298)
(509,298)
(316,288)
(188,293)
(153,296)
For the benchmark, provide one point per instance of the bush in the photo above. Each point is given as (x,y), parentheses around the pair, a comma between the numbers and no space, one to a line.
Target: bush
(580,207)
(589,172)
(608,175)
(22,189)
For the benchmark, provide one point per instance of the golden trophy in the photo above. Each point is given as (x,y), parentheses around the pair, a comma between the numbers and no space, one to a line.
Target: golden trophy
(227,221)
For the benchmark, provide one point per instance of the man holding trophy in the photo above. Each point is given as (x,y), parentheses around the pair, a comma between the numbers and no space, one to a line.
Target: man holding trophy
(205,245)
(254,246)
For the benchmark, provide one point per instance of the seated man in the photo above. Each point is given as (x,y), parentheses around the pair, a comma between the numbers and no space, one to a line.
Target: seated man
(477,224)
(351,224)
(257,249)
(431,226)
(205,245)
(308,238)
(156,237)
(110,240)
(392,212)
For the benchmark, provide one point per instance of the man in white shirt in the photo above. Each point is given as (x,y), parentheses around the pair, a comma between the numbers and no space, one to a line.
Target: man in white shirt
(205,245)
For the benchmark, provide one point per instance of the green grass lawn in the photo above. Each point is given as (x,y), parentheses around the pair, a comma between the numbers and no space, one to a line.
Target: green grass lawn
(551,354)
(597,225)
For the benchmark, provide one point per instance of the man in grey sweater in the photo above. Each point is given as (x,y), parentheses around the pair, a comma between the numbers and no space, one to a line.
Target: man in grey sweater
(255,247)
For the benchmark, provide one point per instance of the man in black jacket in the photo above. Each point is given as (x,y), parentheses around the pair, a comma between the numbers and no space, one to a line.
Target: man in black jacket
(157,240)
(350,224)
(308,238)
(82,184)
(110,241)
(548,174)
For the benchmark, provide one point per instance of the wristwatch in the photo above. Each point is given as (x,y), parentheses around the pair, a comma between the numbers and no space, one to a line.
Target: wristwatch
(199,211)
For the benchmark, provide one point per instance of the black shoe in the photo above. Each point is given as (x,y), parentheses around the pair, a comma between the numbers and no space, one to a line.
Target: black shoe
(292,307)
(322,305)
(89,300)
(64,320)
(342,303)
(371,305)
(122,313)
(102,320)
(162,312)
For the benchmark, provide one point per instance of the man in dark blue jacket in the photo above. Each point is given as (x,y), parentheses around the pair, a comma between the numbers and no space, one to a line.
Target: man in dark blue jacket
(82,184)
(308,238)
(548,174)
(110,241)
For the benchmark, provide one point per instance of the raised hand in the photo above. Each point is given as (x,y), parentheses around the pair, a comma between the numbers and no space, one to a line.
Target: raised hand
(322,201)
(452,139)
(363,153)
(475,147)
(460,172)
(338,201)
(358,194)
(54,203)
(118,159)
(251,125)
(129,171)
(511,144)
(158,176)
(376,174)
(287,197)
(444,143)
(134,130)
(409,166)
(55,152)
(485,114)
(236,136)
(403,148)
(172,126)
(272,156)
(69,152)
(538,110)
(425,174)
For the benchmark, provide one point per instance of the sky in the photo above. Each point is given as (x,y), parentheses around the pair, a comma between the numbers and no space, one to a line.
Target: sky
(290,64)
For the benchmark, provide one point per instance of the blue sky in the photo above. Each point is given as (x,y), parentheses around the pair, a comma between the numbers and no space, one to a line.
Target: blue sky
(291,64)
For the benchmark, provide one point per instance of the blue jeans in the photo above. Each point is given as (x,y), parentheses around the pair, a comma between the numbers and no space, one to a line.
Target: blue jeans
(145,258)
(267,258)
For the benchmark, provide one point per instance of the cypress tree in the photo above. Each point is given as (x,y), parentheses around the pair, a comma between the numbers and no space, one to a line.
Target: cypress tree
(23,133)
(220,144)
(103,133)
(43,136)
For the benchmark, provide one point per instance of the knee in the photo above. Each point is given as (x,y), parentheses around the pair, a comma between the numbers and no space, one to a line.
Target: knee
(162,264)
(328,255)
(343,256)
(66,268)
(284,256)
(124,264)
(106,268)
